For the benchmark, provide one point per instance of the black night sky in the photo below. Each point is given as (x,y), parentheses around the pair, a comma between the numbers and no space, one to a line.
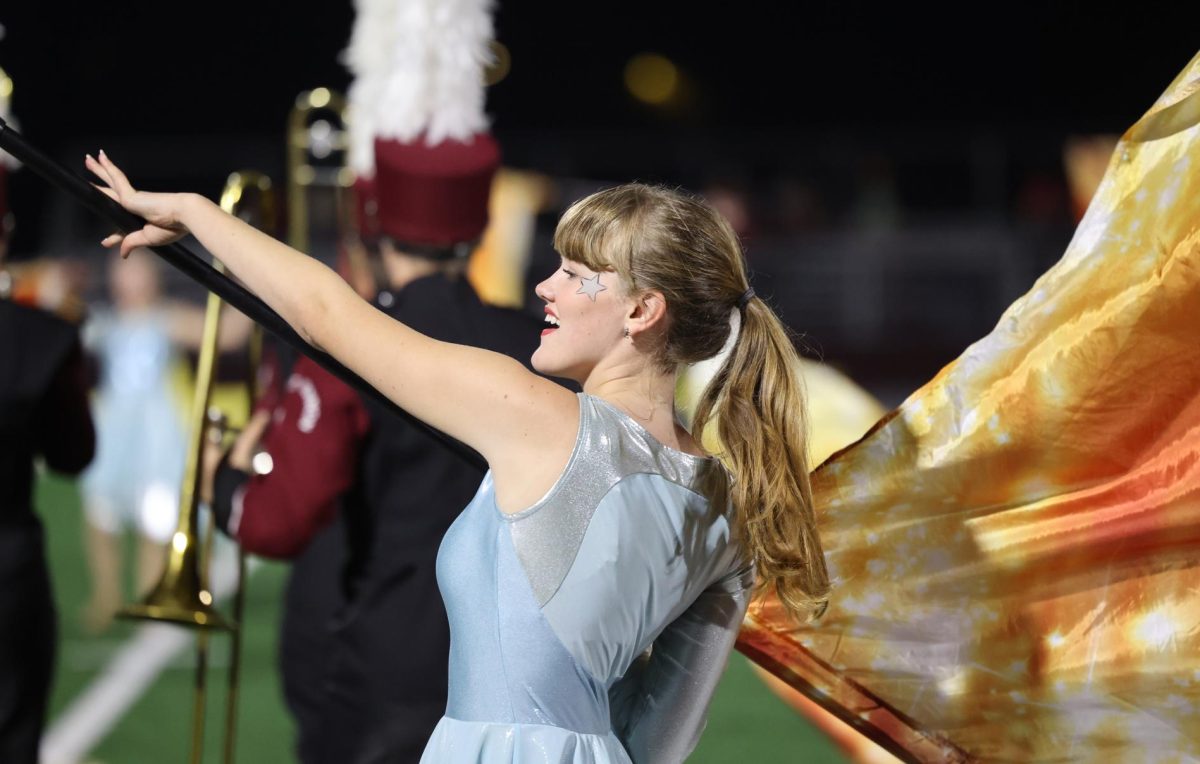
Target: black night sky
(233,67)
(127,75)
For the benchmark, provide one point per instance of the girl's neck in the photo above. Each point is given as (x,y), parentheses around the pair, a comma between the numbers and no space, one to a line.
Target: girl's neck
(637,387)
(650,400)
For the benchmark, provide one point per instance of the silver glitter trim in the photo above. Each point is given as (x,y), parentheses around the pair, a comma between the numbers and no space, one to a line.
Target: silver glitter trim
(610,447)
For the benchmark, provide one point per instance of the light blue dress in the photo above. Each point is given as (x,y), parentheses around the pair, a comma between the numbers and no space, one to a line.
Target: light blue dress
(140,442)
(592,627)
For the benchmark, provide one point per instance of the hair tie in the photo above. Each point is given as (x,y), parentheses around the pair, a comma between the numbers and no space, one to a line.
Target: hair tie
(746,297)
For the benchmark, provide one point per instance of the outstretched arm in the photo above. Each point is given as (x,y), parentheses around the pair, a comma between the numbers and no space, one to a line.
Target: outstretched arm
(484,399)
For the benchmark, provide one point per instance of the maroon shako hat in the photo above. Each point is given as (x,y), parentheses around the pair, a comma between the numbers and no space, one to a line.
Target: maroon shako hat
(433,200)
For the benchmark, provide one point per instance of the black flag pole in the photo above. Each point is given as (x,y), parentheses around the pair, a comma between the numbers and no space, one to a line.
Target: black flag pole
(202,272)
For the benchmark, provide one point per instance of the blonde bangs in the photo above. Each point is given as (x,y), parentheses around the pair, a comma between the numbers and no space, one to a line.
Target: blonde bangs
(599,231)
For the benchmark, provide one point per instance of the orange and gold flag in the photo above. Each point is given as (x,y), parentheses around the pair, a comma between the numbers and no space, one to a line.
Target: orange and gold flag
(1016,549)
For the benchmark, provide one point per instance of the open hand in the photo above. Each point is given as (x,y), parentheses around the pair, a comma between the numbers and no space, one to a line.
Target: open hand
(161,211)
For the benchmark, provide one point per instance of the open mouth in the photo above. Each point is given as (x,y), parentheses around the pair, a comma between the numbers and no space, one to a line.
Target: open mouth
(552,324)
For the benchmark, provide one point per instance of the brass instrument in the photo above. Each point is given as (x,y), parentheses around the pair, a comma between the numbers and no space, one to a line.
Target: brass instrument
(316,147)
(182,595)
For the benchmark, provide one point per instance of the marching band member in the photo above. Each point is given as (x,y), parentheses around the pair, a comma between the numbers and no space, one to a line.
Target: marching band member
(43,415)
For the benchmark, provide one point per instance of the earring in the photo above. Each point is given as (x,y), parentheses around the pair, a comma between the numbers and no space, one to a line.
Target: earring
(627,331)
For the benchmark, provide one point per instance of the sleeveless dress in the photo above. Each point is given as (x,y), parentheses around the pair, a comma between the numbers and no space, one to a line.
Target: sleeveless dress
(140,443)
(592,627)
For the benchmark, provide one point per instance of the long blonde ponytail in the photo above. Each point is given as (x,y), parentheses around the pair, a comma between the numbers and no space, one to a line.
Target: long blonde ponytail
(662,239)
(756,402)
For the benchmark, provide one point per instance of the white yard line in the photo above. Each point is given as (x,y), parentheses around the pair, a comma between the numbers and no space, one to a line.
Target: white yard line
(94,712)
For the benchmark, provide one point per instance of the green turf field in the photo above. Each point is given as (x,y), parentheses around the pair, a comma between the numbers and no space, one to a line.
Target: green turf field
(747,723)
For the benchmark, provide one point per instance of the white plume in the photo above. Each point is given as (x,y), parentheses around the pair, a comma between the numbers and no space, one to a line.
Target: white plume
(367,59)
(456,92)
(418,68)
(403,107)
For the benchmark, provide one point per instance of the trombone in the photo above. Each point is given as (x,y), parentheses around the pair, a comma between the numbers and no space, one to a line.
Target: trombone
(317,142)
(182,595)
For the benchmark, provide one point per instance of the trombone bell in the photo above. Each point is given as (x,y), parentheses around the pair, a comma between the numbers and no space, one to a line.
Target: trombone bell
(179,597)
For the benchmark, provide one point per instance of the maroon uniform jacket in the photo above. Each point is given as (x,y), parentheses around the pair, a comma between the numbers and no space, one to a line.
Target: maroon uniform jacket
(317,428)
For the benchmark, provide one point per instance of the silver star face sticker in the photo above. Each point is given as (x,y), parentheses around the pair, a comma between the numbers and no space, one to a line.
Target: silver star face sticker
(591,287)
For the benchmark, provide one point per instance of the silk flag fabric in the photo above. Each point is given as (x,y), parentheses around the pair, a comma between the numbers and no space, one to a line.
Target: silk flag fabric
(1016,549)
